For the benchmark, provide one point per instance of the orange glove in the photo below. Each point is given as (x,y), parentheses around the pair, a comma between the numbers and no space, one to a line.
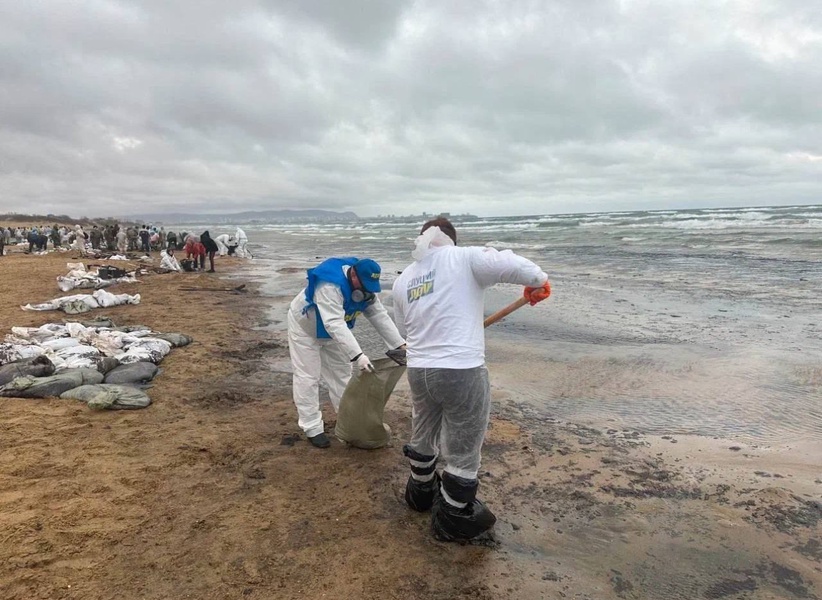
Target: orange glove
(537,294)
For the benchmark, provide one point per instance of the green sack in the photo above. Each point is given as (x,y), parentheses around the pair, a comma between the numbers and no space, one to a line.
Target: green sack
(359,420)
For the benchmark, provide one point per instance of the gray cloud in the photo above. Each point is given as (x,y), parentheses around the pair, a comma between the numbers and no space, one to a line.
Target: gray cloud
(382,106)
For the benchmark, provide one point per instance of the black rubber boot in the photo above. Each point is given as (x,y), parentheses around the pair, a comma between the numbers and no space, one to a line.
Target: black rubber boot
(420,495)
(452,524)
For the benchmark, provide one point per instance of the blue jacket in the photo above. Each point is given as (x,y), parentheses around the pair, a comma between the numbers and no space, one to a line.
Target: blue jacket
(330,271)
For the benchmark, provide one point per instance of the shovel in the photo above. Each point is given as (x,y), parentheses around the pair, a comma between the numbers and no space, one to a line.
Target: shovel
(236,290)
(504,312)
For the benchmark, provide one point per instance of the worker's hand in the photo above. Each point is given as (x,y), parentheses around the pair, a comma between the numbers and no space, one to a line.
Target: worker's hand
(398,355)
(537,294)
(364,364)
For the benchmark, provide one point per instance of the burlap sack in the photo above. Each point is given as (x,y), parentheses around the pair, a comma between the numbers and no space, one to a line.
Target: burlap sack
(359,420)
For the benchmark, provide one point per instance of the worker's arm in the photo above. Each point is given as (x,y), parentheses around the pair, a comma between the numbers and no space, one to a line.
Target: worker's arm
(491,266)
(380,319)
(329,301)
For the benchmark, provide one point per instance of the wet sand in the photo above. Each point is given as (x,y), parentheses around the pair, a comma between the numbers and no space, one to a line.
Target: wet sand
(212,492)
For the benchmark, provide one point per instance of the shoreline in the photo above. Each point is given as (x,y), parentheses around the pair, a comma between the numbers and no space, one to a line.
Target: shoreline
(213,492)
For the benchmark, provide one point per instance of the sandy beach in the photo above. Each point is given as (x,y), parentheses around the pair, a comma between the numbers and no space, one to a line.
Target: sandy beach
(213,492)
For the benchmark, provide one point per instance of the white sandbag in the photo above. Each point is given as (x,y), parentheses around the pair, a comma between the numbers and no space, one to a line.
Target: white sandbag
(75,307)
(109,343)
(59,303)
(60,343)
(76,357)
(74,329)
(138,330)
(23,333)
(78,350)
(37,334)
(11,352)
(145,349)
(107,299)
(51,330)
(69,282)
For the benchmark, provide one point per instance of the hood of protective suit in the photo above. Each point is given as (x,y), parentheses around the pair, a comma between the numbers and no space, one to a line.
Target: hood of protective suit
(433,237)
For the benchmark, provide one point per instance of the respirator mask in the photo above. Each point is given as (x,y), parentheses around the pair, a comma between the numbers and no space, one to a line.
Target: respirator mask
(361,296)
(357,294)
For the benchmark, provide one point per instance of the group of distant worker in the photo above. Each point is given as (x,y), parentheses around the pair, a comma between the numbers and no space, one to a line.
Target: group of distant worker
(114,238)
(197,248)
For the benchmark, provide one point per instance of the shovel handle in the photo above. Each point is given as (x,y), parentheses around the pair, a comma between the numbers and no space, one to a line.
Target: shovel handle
(504,312)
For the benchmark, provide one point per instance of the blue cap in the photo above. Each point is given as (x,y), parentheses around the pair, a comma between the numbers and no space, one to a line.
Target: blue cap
(368,272)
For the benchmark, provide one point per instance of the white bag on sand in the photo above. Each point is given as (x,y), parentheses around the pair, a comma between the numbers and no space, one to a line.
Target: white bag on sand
(76,357)
(11,352)
(145,349)
(59,303)
(60,343)
(107,299)
(75,304)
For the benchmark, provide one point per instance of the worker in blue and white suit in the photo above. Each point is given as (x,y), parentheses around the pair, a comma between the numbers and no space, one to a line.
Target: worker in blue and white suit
(320,341)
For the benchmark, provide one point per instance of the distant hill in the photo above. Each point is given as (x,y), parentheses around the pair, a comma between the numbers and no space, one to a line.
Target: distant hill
(50,219)
(251,216)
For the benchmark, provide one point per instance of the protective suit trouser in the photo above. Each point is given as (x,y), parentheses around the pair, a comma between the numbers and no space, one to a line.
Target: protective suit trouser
(221,247)
(241,251)
(314,360)
(450,410)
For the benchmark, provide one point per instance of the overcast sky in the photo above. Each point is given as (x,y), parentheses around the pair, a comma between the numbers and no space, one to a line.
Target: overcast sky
(490,107)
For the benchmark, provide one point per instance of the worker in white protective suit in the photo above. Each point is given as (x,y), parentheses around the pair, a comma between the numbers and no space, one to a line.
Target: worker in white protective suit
(242,242)
(79,240)
(438,304)
(169,261)
(223,242)
(320,341)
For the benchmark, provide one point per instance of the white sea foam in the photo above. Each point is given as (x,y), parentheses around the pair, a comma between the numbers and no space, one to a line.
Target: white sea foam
(498,244)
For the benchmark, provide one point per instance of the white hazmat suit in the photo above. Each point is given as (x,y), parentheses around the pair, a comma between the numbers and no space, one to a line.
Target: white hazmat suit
(242,242)
(169,261)
(328,359)
(222,242)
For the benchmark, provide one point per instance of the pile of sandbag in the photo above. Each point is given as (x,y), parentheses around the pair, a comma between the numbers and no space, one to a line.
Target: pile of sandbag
(79,278)
(100,365)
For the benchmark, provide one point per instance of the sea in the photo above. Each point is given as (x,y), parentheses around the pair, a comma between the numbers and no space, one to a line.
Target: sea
(701,321)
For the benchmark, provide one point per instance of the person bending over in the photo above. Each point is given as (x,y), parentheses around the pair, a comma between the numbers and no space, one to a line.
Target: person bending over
(320,341)
(438,304)
(195,251)
(223,241)
(210,248)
